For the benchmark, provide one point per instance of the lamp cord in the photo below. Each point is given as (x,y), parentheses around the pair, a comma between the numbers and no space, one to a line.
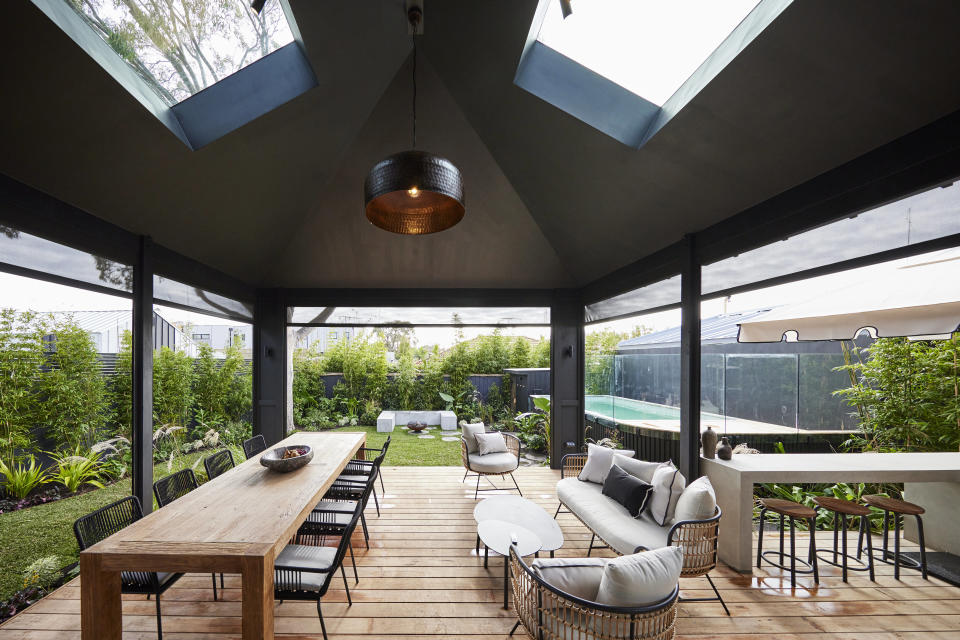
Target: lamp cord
(414,39)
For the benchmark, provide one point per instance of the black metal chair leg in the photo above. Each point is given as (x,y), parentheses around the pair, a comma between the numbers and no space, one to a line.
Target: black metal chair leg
(718,593)
(896,546)
(782,556)
(213,576)
(323,627)
(353,560)
(590,548)
(813,550)
(836,535)
(515,484)
(763,513)
(865,529)
(221,581)
(860,539)
(346,587)
(366,534)
(376,502)
(159,624)
(923,548)
(516,624)
(843,526)
(555,517)
(793,556)
(477,490)
(382,488)
(464,476)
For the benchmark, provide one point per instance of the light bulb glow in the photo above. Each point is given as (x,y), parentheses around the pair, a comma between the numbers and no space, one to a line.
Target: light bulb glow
(413,192)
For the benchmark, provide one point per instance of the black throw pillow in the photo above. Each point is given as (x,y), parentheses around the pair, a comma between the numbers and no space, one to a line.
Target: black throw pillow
(628,490)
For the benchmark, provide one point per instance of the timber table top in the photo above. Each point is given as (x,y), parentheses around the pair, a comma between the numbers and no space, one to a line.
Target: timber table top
(247,508)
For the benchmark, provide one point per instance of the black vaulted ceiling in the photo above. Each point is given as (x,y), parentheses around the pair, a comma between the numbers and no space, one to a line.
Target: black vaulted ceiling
(551,202)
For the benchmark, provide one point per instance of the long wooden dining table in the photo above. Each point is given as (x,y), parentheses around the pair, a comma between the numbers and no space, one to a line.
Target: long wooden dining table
(236,523)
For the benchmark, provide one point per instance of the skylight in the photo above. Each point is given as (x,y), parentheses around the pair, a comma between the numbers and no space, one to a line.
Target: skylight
(649,47)
(180,47)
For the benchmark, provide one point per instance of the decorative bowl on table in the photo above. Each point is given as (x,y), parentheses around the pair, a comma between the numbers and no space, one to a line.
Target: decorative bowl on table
(287,459)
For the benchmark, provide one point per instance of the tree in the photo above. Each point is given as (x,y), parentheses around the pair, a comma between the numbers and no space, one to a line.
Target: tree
(177,46)
(520,356)
(399,340)
(21,357)
(123,386)
(540,357)
(172,377)
(74,391)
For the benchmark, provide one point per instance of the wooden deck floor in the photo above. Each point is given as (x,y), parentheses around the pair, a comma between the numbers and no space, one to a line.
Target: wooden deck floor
(422,579)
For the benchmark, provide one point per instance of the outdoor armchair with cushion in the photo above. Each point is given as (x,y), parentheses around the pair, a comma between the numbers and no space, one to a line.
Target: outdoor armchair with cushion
(556,599)
(104,522)
(624,534)
(491,464)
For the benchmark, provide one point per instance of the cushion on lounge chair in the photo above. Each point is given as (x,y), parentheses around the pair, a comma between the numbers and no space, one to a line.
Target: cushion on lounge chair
(493,462)
(637,468)
(490,443)
(599,460)
(579,577)
(642,578)
(697,502)
(668,484)
(469,433)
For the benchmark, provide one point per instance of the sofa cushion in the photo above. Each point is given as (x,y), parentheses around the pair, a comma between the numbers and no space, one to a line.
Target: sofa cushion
(579,577)
(642,578)
(493,462)
(697,502)
(629,491)
(609,520)
(668,484)
(637,468)
(598,463)
(490,443)
(469,435)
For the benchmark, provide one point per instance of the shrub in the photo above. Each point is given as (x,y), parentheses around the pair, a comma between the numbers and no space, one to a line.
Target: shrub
(21,357)
(76,469)
(43,572)
(20,479)
(172,376)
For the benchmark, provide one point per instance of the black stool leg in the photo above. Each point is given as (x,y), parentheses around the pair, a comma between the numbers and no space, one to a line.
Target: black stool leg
(781,539)
(865,531)
(896,546)
(836,534)
(860,540)
(923,548)
(843,526)
(763,513)
(886,534)
(793,557)
(813,550)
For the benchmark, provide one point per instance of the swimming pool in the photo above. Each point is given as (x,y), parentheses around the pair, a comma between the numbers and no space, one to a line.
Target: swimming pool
(619,408)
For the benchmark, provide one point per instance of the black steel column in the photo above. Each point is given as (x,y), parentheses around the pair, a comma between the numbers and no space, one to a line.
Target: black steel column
(142,366)
(270,365)
(690,362)
(566,375)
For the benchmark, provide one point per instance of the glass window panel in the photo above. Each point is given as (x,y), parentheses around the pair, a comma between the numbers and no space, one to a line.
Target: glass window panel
(21,249)
(187,46)
(648,47)
(444,316)
(924,216)
(659,294)
(166,290)
(761,388)
(820,410)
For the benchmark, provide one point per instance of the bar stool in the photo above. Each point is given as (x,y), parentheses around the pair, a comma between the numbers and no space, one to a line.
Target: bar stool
(791,510)
(842,509)
(898,508)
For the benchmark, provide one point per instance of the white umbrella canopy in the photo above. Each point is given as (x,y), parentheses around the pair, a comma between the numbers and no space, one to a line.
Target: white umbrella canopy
(921,299)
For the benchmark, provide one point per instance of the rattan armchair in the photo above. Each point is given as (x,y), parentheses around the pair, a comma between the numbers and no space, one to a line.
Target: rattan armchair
(697,538)
(513,448)
(548,613)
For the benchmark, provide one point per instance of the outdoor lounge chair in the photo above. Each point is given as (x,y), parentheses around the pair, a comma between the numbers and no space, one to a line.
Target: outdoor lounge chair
(491,464)
(104,522)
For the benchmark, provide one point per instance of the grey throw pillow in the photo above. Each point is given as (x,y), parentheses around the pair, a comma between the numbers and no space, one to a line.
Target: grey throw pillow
(470,432)
(599,460)
(697,502)
(642,578)
(637,468)
(490,443)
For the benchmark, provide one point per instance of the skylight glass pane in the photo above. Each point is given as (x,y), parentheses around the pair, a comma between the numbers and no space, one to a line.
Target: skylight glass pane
(180,47)
(443,316)
(648,47)
(200,300)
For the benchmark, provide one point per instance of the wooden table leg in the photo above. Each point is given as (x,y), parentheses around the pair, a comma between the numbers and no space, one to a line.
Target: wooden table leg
(257,605)
(100,612)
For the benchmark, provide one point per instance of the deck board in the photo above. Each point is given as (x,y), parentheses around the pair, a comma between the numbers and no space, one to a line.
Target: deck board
(421,579)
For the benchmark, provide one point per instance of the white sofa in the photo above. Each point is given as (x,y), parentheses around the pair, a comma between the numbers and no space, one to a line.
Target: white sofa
(612,523)
(387,420)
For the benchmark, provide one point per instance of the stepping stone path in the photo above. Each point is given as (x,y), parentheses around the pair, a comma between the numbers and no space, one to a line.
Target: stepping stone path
(426,437)
(450,439)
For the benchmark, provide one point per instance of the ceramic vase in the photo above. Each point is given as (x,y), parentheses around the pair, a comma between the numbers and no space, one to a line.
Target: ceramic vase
(724,450)
(708,439)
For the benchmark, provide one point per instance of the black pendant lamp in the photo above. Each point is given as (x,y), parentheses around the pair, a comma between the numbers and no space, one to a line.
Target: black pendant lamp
(414,192)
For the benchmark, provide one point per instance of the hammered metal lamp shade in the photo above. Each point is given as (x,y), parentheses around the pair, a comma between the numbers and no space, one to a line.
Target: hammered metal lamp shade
(414,193)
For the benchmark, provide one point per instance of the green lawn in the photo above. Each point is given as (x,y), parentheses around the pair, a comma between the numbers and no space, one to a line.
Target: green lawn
(408,450)
(47,529)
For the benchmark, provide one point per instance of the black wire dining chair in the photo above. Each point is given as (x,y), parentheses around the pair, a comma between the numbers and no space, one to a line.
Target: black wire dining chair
(104,522)
(218,463)
(304,571)
(176,485)
(347,492)
(363,467)
(254,445)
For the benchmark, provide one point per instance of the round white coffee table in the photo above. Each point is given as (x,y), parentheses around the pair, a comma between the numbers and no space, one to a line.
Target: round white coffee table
(524,513)
(499,535)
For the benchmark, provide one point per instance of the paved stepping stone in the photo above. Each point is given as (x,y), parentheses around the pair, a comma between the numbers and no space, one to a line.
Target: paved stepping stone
(426,437)
(448,439)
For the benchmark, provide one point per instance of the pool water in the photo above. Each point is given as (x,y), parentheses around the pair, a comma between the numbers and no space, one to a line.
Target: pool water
(626,409)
